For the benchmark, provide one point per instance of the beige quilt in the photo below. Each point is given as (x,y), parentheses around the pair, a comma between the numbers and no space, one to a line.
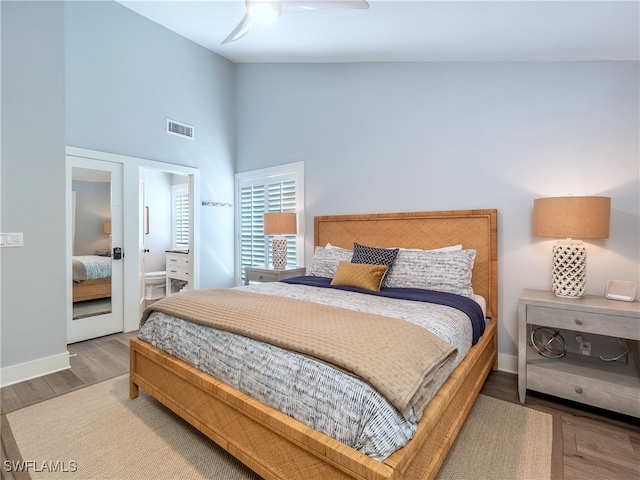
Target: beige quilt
(397,357)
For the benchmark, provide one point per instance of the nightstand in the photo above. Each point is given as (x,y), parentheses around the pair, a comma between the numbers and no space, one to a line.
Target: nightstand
(258,274)
(612,385)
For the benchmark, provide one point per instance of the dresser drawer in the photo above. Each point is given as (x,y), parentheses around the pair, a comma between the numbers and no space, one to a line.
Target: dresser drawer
(579,321)
(181,272)
(177,259)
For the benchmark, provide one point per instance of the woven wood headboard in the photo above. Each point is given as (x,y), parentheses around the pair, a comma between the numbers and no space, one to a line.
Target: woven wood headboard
(477,229)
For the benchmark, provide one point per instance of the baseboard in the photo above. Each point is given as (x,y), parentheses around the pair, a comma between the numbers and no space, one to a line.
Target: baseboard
(33,369)
(507,363)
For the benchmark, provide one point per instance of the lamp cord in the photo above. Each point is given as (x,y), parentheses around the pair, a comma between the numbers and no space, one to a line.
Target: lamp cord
(613,359)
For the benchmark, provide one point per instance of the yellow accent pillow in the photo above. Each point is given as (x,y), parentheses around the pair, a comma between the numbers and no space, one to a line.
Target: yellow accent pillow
(360,275)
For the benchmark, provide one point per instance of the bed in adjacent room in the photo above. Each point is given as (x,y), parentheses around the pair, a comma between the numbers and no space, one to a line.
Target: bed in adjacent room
(91,277)
(364,368)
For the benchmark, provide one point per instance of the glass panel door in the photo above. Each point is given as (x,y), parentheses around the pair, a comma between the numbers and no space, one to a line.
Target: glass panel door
(96,248)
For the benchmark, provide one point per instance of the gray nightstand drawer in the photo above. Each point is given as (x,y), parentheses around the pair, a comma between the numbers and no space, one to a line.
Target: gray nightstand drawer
(263,276)
(258,274)
(573,380)
(579,321)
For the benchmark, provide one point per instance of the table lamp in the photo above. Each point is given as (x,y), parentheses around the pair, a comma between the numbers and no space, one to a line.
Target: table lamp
(571,218)
(279,224)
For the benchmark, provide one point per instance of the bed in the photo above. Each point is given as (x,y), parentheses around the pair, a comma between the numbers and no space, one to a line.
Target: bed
(276,445)
(91,277)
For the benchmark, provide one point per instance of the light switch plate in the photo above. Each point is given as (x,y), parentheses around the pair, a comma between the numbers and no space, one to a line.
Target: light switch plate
(12,239)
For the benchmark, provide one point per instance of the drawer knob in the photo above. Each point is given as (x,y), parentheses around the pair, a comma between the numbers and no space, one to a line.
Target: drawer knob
(578,321)
(578,390)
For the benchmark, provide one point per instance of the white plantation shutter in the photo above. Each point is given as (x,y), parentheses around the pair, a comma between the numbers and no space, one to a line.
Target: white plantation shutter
(278,190)
(180,217)
(252,247)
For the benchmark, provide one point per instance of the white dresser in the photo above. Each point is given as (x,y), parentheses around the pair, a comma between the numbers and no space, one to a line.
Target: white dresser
(178,272)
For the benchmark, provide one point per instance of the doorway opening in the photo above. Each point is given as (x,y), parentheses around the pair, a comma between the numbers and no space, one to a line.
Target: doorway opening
(166,233)
(137,220)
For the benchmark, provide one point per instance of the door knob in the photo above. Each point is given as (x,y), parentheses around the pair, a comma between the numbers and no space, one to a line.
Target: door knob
(146,250)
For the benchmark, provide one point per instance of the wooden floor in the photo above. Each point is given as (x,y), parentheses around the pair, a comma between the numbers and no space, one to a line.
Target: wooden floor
(596,445)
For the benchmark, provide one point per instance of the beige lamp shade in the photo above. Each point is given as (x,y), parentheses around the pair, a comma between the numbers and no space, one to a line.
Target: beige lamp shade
(279,223)
(107,226)
(571,217)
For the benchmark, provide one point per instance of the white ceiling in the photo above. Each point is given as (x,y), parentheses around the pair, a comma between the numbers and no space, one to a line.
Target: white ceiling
(413,31)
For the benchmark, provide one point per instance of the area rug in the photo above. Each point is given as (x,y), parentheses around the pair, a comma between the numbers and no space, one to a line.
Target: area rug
(99,433)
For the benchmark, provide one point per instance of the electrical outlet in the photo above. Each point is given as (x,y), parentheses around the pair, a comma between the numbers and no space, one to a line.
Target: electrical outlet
(585,348)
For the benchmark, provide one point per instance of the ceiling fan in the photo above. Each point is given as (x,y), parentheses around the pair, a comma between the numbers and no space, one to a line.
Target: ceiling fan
(263,11)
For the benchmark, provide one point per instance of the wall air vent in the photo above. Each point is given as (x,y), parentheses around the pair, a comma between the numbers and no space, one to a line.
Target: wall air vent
(180,129)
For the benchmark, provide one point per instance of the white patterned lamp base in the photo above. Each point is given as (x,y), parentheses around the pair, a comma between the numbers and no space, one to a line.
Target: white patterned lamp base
(569,269)
(279,252)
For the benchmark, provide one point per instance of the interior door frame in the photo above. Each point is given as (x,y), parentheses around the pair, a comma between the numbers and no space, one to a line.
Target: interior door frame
(131,220)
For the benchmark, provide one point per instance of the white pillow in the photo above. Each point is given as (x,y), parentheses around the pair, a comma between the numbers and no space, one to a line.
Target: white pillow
(328,245)
(441,249)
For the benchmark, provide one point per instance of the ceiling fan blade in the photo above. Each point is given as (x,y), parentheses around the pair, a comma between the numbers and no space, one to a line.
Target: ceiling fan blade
(293,6)
(241,29)
(290,6)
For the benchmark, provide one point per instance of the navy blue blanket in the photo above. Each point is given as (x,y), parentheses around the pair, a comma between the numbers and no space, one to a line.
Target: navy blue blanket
(464,304)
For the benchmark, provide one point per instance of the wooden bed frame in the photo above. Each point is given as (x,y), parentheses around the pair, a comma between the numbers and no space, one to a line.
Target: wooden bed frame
(91,289)
(278,447)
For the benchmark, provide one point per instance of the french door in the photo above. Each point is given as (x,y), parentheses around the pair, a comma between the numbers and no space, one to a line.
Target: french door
(94,251)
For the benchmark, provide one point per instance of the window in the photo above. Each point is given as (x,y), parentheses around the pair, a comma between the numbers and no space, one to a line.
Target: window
(277,189)
(180,207)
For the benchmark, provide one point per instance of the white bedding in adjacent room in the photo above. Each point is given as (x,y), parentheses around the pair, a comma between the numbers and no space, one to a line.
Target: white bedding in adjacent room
(91,267)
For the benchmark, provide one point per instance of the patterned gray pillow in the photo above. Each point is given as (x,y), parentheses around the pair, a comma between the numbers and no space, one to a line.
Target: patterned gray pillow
(375,256)
(434,270)
(325,261)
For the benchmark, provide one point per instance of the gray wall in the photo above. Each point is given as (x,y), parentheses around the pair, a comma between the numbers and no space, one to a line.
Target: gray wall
(410,137)
(374,138)
(32,195)
(125,76)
